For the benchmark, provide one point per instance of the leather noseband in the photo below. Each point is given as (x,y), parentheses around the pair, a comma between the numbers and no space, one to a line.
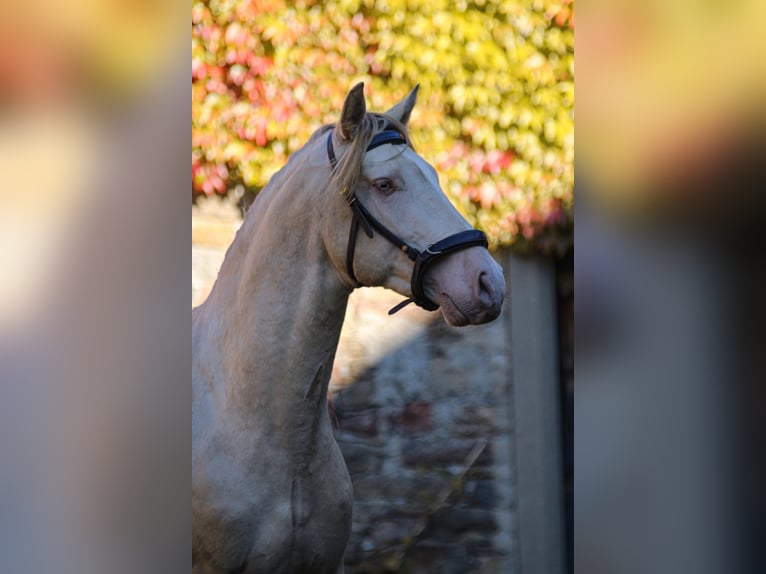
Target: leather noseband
(422,259)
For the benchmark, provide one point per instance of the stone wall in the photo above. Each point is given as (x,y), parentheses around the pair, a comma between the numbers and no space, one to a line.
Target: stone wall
(422,422)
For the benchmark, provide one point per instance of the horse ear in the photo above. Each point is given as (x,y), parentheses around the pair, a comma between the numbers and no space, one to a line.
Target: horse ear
(401,111)
(353,112)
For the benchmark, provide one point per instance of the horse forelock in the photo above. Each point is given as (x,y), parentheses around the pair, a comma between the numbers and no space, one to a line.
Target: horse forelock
(348,170)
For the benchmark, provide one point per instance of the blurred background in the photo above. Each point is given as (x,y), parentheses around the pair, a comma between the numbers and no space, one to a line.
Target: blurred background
(94,271)
(458,441)
(669,435)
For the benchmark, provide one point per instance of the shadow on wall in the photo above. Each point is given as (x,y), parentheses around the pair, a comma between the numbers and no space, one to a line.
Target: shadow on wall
(421,416)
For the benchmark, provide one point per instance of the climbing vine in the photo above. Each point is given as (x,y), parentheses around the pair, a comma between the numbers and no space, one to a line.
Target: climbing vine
(495,114)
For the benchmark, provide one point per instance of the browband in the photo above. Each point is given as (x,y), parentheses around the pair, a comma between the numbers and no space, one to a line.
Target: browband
(385,137)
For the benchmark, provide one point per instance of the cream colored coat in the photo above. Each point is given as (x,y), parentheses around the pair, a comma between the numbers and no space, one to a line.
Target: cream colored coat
(270,490)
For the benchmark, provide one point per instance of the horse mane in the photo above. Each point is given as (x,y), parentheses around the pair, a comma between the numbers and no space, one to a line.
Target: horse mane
(348,170)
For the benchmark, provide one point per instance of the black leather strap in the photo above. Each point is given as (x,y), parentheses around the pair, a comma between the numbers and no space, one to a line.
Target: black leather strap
(456,242)
(409,250)
(330,150)
(386,137)
(356,219)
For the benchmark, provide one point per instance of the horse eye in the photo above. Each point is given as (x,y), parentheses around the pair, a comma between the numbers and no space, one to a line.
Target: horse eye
(384,185)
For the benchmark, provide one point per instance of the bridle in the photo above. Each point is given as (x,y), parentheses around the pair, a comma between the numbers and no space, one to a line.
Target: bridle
(422,259)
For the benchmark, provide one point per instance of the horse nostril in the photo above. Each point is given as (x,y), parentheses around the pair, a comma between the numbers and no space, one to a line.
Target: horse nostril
(485,292)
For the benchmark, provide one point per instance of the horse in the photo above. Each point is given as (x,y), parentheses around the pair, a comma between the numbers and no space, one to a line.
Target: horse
(355,206)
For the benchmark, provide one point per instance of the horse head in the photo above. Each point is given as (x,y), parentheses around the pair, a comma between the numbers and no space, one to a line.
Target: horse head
(397,228)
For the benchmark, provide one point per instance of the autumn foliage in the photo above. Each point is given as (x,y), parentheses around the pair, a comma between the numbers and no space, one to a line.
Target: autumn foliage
(495,114)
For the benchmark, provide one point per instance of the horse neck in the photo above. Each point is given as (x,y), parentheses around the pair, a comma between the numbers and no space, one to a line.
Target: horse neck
(275,312)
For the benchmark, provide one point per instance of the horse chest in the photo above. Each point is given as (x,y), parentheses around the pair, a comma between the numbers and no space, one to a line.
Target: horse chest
(271,519)
(312,533)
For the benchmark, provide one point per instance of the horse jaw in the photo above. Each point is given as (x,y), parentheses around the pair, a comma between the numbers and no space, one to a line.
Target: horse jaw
(468,286)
